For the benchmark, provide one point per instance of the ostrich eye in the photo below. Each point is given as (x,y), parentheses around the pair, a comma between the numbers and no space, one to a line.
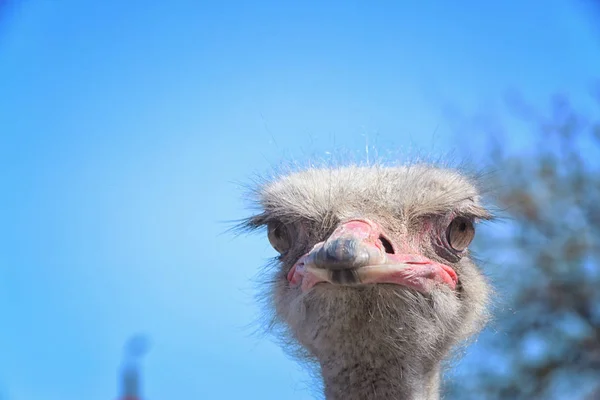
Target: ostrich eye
(460,232)
(279,237)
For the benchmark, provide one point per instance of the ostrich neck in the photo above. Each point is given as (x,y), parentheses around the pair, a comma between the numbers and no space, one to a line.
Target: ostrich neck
(382,376)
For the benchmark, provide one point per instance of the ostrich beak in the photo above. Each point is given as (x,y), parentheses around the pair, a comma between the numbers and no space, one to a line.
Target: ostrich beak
(358,253)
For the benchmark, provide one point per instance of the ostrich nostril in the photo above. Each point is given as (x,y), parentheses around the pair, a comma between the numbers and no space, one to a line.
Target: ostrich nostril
(386,245)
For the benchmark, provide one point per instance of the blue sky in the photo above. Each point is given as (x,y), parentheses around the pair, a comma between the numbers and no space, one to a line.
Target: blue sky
(125,128)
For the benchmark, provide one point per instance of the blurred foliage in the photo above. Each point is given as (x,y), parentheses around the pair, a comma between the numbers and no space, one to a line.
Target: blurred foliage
(544,342)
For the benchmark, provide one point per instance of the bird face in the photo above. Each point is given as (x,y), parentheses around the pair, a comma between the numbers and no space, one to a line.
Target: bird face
(374,252)
(359,252)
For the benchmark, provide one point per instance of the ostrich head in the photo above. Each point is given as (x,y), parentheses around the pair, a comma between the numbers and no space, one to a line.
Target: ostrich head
(374,279)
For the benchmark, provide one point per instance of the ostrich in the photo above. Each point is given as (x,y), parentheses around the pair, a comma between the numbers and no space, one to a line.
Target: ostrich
(374,281)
